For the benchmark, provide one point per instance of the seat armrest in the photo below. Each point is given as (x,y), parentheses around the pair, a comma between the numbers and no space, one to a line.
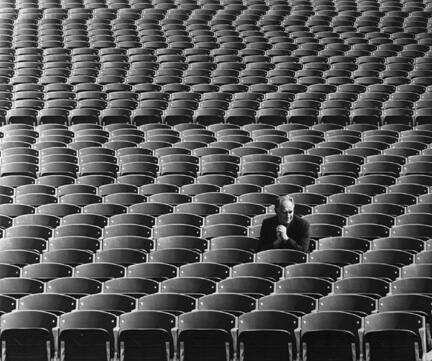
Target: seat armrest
(174,334)
(116,333)
(234,336)
(361,337)
(56,332)
(297,334)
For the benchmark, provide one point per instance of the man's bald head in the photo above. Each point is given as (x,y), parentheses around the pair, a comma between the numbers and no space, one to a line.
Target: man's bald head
(284,208)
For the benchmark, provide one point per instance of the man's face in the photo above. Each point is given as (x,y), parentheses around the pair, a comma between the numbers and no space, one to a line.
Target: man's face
(285,212)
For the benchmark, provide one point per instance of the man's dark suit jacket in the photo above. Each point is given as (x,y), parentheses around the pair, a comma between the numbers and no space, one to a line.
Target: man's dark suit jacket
(298,230)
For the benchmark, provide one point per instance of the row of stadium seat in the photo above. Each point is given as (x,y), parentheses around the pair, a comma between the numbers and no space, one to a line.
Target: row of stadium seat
(315,279)
(190,139)
(111,226)
(215,263)
(136,236)
(207,116)
(235,303)
(191,335)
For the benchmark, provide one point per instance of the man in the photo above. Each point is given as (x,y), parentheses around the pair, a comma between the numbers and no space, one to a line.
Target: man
(285,229)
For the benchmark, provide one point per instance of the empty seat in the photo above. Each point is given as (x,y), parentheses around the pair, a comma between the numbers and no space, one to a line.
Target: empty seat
(421,231)
(100,271)
(29,230)
(20,286)
(379,270)
(228,256)
(74,286)
(146,334)
(36,327)
(298,304)
(354,303)
(50,302)
(389,256)
(258,269)
(310,286)
(409,302)
(216,341)
(369,286)
(47,271)
(233,303)
(83,243)
(329,335)
(414,270)
(366,230)
(349,243)
(281,257)
(267,334)
(121,256)
(395,335)
(411,285)
(220,230)
(167,230)
(313,269)
(175,256)
(209,270)
(339,257)
(114,303)
(194,286)
(91,330)
(174,303)
(131,286)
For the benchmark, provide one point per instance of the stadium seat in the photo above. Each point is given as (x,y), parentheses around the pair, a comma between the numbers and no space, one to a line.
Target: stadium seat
(37,327)
(228,256)
(338,257)
(409,303)
(313,269)
(209,270)
(409,244)
(368,286)
(92,330)
(100,271)
(83,243)
(73,286)
(216,339)
(411,285)
(370,269)
(281,257)
(248,285)
(258,269)
(274,332)
(194,286)
(114,303)
(383,337)
(421,231)
(233,303)
(49,302)
(388,256)
(152,326)
(326,335)
(47,271)
(175,256)
(298,304)
(310,286)
(353,303)
(349,243)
